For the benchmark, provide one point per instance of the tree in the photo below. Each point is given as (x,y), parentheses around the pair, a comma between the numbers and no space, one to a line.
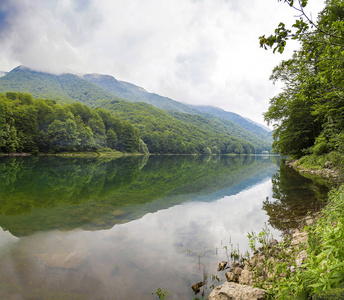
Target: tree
(308,115)
(63,136)
(8,139)
(111,139)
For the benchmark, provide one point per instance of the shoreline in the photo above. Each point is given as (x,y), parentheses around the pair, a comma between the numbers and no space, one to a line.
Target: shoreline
(258,276)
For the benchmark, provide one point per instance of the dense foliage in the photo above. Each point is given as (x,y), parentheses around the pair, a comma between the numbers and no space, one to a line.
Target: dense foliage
(308,114)
(178,133)
(33,126)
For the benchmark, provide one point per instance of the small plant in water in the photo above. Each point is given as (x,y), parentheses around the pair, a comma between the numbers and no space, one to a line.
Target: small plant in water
(214,277)
(162,294)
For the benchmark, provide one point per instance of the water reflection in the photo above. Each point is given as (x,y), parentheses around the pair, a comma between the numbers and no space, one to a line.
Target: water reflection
(293,197)
(106,237)
(47,193)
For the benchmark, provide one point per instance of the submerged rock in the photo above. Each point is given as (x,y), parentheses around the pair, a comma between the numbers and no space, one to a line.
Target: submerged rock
(197,286)
(234,291)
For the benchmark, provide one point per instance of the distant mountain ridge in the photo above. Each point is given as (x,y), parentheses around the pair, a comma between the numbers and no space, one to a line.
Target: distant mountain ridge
(97,90)
(67,87)
(135,93)
(235,118)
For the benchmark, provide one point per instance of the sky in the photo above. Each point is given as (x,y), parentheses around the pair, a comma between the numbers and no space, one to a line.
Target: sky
(201,52)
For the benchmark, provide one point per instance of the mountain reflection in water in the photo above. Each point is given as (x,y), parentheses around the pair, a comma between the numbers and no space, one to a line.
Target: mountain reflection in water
(103,228)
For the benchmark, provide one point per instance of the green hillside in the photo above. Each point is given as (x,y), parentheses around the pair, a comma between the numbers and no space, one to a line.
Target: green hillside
(43,126)
(66,87)
(134,93)
(163,131)
(165,134)
(225,127)
(235,118)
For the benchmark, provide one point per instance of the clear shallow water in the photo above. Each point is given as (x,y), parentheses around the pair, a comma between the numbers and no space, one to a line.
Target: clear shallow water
(121,229)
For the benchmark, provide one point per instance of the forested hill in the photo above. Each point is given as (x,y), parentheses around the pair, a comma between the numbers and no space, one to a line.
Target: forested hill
(175,132)
(235,118)
(67,87)
(43,126)
(97,86)
(135,93)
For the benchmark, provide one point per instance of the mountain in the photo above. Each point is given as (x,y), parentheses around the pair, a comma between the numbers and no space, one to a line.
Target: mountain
(67,87)
(166,128)
(135,93)
(235,118)
(260,125)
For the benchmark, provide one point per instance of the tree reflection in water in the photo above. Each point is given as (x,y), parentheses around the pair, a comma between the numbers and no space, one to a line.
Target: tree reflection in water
(293,197)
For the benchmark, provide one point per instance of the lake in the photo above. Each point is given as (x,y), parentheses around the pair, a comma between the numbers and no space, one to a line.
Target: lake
(106,228)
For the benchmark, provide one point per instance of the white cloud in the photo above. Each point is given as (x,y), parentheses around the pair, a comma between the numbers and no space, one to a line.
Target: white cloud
(199,52)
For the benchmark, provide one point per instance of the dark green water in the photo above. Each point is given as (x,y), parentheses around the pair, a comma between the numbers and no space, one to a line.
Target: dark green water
(103,228)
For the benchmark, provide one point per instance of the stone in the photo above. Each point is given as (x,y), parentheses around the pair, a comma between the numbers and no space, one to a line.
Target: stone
(231,277)
(197,286)
(301,257)
(222,266)
(299,237)
(309,222)
(234,291)
(237,271)
(273,242)
(246,277)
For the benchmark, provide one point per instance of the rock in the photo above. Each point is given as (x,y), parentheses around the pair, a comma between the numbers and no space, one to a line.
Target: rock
(231,277)
(309,222)
(299,237)
(235,265)
(246,277)
(237,271)
(222,266)
(273,242)
(301,257)
(328,165)
(234,291)
(197,286)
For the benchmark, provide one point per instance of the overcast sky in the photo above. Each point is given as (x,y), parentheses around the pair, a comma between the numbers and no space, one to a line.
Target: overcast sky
(203,52)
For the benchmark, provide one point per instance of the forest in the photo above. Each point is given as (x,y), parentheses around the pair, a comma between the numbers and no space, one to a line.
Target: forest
(308,115)
(308,119)
(45,126)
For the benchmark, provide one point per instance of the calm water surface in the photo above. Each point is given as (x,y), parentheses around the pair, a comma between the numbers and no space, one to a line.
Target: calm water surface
(103,228)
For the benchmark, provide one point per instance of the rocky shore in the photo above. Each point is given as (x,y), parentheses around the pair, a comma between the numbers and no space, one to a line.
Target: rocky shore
(328,172)
(260,270)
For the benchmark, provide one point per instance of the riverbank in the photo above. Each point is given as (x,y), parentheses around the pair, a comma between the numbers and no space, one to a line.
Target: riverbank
(306,263)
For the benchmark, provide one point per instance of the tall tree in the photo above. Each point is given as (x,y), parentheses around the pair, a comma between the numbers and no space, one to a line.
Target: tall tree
(308,115)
